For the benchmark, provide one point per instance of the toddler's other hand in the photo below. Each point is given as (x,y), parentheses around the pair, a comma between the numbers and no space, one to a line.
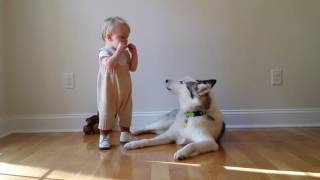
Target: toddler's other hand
(132,48)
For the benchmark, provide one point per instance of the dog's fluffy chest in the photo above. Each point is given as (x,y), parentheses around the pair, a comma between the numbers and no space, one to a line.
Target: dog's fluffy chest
(191,122)
(190,129)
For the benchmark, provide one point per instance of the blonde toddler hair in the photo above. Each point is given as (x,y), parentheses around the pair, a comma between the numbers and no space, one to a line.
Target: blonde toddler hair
(109,24)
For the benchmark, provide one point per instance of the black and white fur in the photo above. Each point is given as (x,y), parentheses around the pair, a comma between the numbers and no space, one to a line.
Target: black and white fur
(200,133)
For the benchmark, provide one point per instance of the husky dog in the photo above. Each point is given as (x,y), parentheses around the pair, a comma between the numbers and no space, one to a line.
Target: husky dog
(197,123)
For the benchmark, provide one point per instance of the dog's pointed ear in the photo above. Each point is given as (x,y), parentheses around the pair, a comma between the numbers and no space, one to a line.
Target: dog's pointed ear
(204,86)
(203,89)
(211,82)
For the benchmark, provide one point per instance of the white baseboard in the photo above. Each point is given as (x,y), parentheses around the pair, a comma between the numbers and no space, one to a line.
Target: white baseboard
(5,128)
(270,118)
(253,118)
(48,122)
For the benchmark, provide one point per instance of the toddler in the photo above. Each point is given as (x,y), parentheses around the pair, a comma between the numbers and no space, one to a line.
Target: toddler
(114,88)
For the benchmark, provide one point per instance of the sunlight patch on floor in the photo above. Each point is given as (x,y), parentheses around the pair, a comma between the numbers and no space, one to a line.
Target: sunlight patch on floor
(17,171)
(61,174)
(269,171)
(17,177)
(22,170)
(176,163)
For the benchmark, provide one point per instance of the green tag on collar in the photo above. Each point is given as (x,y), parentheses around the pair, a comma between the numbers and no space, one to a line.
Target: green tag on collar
(189,114)
(194,113)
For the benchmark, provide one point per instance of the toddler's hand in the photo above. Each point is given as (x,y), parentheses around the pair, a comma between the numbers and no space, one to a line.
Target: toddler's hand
(132,48)
(121,46)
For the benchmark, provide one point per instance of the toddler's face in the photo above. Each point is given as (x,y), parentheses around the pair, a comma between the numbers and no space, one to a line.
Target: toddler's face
(119,35)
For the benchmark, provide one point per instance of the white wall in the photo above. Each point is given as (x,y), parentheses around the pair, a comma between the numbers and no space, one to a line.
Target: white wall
(236,42)
(3,122)
(2,64)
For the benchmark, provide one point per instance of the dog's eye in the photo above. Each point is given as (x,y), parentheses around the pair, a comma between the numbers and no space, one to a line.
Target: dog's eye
(181,82)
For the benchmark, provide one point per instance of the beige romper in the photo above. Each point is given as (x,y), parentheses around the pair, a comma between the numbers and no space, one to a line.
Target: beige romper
(114,91)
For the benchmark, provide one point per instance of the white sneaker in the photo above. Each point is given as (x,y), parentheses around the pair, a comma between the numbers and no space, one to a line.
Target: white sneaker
(126,137)
(104,142)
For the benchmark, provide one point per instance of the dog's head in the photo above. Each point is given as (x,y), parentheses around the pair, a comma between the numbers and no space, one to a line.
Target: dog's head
(194,95)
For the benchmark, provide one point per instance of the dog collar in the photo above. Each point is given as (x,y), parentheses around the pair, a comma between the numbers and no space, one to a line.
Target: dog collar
(194,114)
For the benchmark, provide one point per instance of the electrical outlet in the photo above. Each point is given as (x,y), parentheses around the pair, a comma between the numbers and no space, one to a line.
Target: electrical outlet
(69,80)
(276,77)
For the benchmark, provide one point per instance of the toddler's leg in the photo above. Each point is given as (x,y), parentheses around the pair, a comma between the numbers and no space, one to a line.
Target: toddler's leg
(107,118)
(125,116)
(105,132)
(106,123)
(104,140)
(125,104)
(124,129)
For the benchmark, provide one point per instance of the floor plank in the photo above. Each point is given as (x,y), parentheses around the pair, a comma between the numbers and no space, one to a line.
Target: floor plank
(272,153)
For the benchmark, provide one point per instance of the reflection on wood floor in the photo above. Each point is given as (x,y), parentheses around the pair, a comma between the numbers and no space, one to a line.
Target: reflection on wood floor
(274,153)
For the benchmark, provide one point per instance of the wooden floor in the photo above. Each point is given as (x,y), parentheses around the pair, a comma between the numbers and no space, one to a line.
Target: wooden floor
(277,153)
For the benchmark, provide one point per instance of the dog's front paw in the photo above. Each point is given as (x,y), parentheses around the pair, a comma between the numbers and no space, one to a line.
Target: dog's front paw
(135,132)
(134,144)
(179,155)
(130,145)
